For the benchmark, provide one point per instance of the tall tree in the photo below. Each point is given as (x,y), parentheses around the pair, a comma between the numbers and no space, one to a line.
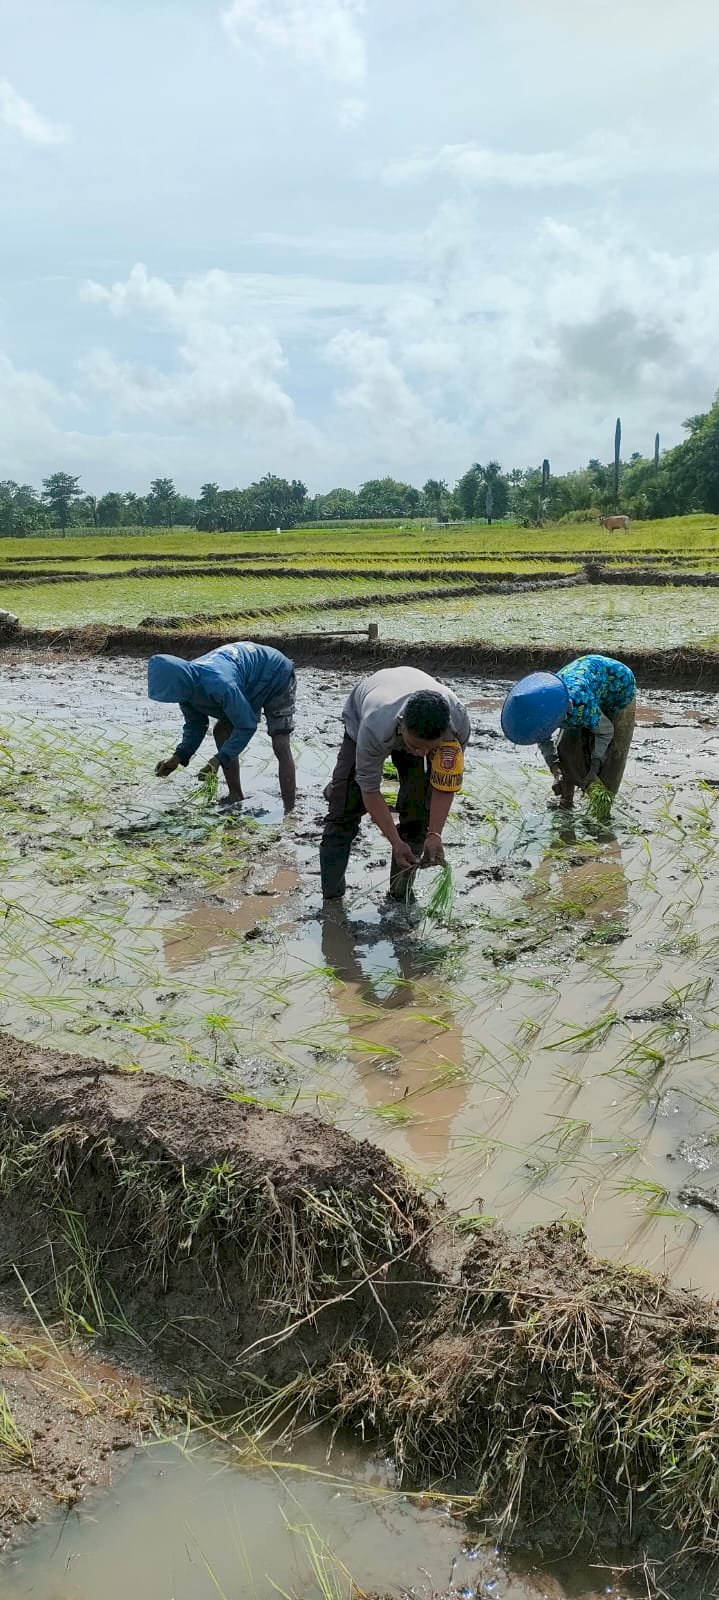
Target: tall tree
(60,492)
(468,490)
(656,452)
(161,502)
(617,460)
(435,493)
(111,510)
(20,510)
(494,492)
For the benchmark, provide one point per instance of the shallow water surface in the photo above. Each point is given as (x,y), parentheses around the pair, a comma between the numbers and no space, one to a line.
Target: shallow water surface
(552,1054)
(188,1525)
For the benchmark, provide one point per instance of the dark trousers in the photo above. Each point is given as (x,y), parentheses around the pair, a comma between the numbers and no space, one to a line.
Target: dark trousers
(346,809)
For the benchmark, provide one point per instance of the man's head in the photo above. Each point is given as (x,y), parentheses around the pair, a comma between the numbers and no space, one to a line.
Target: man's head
(170,679)
(424,721)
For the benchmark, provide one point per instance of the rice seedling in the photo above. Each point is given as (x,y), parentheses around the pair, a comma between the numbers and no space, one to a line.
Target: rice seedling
(208,786)
(440,905)
(599,801)
(590,1037)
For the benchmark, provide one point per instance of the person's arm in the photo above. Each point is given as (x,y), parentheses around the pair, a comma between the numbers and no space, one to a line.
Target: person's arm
(193,733)
(548,750)
(368,772)
(377,808)
(440,806)
(244,723)
(603,735)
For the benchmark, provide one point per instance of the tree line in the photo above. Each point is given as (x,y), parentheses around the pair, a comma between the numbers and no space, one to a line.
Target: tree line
(672,483)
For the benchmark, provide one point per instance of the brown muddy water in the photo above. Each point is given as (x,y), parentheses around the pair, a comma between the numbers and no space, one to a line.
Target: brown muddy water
(184,1524)
(552,1054)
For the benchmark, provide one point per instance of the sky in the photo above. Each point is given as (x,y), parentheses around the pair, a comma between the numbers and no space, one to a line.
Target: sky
(340,239)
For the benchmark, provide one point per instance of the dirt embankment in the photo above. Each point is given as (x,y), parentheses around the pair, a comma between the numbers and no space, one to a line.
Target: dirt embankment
(653,669)
(26,578)
(67,1422)
(277,1261)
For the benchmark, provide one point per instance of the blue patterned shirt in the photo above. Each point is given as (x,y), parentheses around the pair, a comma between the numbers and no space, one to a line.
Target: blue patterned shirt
(597,686)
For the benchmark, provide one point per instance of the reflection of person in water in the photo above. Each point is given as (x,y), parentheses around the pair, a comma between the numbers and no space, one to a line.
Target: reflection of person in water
(594,884)
(425,1053)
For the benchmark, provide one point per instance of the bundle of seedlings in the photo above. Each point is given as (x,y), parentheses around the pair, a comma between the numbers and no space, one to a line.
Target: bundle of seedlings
(599,801)
(440,905)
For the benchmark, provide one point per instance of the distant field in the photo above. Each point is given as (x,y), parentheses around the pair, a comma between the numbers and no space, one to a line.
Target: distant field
(604,618)
(413,580)
(673,534)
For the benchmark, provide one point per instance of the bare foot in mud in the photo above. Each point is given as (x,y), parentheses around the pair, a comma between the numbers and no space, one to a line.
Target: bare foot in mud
(230,800)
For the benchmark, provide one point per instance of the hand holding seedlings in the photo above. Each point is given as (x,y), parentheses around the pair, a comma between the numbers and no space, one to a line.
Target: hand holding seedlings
(582,718)
(433,853)
(233,685)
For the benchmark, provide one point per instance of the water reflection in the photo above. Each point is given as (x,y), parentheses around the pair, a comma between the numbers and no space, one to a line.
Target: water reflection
(406,1046)
(212,925)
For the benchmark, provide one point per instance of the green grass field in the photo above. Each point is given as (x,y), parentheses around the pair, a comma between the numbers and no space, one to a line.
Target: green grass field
(304,579)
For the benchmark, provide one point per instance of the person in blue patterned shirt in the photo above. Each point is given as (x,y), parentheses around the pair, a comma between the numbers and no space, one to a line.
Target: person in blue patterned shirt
(582,718)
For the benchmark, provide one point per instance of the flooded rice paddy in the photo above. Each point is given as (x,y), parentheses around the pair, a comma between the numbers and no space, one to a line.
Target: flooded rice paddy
(601,617)
(552,1054)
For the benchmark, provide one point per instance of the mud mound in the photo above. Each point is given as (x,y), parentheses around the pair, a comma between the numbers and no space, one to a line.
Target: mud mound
(277,1260)
(673,669)
(547,1375)
(221,1228)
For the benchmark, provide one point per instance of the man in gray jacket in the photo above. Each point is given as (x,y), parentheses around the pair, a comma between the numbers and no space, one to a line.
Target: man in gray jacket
(402,714)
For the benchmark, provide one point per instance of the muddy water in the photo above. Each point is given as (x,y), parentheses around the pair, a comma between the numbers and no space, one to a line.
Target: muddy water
(553,1054)
(185,1524)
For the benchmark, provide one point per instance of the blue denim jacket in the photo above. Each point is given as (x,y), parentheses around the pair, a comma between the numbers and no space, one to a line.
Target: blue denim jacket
(235,682)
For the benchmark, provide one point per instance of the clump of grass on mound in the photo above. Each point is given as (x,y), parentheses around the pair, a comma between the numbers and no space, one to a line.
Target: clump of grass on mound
(547,1377)
(135,1221)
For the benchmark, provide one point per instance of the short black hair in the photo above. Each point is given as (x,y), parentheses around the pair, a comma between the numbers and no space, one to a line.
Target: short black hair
(426,714)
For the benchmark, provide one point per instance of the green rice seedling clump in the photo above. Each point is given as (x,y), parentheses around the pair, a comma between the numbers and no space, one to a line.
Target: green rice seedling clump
(209,784)
(440,905)
(599,801)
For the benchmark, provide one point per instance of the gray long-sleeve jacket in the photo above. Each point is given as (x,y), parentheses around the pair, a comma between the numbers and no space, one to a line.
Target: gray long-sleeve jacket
(373,711)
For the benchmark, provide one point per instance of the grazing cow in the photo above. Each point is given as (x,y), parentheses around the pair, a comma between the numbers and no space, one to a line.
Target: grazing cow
(612,523)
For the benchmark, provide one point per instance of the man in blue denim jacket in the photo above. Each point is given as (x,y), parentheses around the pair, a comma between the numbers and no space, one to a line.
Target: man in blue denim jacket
(232,684)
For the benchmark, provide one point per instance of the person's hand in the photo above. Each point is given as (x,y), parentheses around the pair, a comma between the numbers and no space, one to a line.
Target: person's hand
(433,853)
(208,769)
(404,857)
(164,768)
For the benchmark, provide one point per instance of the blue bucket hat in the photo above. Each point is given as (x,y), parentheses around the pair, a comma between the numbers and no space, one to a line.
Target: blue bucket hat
(534,707)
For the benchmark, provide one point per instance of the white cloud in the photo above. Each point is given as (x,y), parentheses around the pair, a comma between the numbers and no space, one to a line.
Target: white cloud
(322,34)
(19,115)
(228,372)
(603,157)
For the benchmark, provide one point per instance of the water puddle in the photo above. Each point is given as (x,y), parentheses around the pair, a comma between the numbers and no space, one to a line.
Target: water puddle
(185,1524)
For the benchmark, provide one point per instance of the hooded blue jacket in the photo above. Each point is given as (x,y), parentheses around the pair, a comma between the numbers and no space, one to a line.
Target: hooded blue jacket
(235,682)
